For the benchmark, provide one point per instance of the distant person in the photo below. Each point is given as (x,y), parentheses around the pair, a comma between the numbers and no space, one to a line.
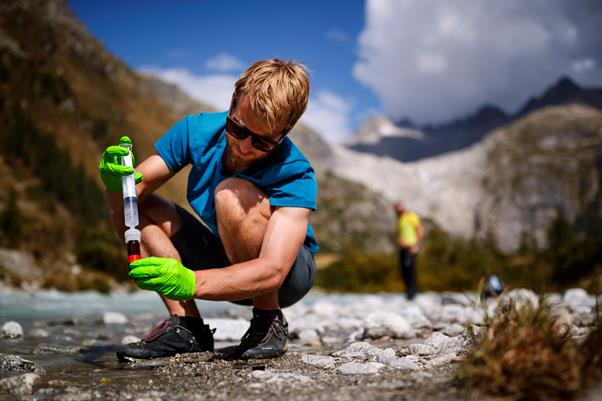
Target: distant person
(254,191)
(409,235)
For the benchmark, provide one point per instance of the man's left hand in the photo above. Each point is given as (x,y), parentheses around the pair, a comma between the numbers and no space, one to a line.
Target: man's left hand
(166,276)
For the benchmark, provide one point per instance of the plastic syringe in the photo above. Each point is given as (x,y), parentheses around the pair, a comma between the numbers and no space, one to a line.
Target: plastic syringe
(130,204)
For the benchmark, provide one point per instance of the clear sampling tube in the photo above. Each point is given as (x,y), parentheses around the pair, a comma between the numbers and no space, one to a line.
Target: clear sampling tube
(130,205)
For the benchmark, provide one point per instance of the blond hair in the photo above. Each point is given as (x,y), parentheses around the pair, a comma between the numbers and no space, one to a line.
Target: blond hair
(277,91)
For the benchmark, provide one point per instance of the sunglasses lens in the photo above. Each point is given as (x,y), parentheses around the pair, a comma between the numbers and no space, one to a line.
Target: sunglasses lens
(239,132)
(261,145)
(235,130)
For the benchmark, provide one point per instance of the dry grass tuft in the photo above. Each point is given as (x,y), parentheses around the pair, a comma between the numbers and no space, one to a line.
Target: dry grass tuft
(525,355)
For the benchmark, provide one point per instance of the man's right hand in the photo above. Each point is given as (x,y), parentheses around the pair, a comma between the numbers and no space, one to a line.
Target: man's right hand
(111,170)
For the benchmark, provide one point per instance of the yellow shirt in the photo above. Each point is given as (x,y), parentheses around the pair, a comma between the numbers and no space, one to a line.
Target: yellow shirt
(407,225)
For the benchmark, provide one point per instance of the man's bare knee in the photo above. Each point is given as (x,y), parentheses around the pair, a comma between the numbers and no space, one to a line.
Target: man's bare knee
(236,193)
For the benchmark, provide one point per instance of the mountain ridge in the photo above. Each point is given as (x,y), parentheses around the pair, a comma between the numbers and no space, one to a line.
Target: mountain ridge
(464,131)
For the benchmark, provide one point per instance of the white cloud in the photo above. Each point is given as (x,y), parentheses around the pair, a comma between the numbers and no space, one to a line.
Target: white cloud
(337,35)
(584,65)
(213,89)
(224,62)
(433,60)
(328,114)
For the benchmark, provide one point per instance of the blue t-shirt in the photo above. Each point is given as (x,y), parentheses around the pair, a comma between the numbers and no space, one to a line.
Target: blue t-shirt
(285,175)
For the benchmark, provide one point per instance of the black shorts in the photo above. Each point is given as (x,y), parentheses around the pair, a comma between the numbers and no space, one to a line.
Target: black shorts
(200,249)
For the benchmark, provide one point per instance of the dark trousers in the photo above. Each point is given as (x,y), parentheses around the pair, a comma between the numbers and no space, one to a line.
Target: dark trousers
(407,262)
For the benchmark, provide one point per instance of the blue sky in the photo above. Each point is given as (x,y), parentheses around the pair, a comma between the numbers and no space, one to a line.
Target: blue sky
(429,60)
(222,38)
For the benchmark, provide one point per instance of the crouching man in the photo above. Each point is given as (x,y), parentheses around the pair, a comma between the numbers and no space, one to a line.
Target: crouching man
(253,191)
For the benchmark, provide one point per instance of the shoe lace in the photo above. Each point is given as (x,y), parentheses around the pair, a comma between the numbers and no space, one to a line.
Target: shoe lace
(157,331)
(260,329)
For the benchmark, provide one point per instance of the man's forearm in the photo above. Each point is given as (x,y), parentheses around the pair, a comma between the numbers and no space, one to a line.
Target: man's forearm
(239,281)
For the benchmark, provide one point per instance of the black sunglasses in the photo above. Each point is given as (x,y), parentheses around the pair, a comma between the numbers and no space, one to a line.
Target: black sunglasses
(241,132)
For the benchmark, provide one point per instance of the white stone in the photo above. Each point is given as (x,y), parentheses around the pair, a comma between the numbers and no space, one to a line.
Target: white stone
(39,333)
(444,359)
(578,300)
(321,361)
(12,329)
(310,337)
(358,368)
(129,339)
(19,385)
(387,356)
(414,316)
(280,378)
(405,364)
(455,313)
(228,329)
(388,324)
(361,350)
(453,330)
(421,349)
(438,341)
(520,298)
(114,318)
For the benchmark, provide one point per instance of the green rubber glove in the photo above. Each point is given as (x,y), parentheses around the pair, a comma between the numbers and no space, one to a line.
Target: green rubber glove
(166,276)
(111,169)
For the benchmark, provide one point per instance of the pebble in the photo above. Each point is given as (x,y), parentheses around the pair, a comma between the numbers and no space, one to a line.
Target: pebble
(387,324)
(39,333)
(321,361)
(421,349)
(520,297)
(129,339)
(114,318)
(310,337)
(13,363)
(406,363)
(19,385)
(11,329)
(359,368)
(280,378)
(453,330)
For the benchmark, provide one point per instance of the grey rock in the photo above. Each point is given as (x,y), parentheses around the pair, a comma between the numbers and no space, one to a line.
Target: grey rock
(579,301)
(39,333)
(438,341)
(359,350)
(359,368)
(114,318)
(19,385)
(129,339)
(280,378)
(321,361)
(519,298)
(454,313)
(414,316)
(386,356)
(310,337)
(406,363)
(421,349)
(453,330)
(444,359)
(11,329)
(383,324)
(14,363)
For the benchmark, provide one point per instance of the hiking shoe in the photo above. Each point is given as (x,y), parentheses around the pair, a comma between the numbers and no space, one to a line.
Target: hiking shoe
(266,338)
(176,335)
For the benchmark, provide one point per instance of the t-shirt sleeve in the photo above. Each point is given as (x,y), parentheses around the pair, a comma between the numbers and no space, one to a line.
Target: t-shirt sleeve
(300,190)
(174,146)
(415,220)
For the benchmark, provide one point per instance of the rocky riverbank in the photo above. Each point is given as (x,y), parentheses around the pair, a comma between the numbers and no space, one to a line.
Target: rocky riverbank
(347,347)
